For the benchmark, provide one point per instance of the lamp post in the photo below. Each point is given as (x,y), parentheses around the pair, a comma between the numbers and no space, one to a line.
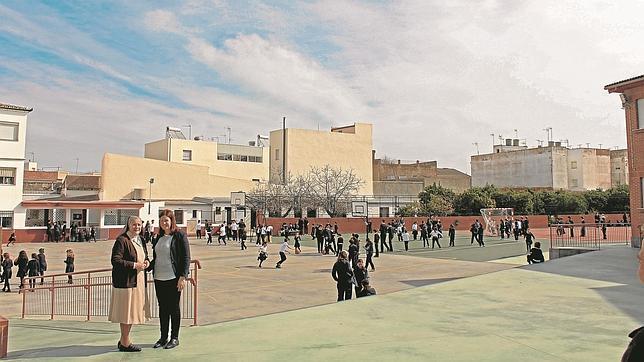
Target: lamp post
(151,181)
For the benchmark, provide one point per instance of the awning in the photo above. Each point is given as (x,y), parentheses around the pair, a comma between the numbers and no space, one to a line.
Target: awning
(49,204)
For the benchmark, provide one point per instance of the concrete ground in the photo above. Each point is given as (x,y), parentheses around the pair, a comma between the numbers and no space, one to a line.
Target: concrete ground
(572,309)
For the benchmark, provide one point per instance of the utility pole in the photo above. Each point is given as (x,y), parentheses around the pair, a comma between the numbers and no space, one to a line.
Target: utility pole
(76,164)
(476,144)
(150,197)
(516,133)
(228,130)
(283,150)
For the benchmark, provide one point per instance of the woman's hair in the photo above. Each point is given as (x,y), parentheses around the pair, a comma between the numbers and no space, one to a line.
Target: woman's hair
(70,252)
(23,254)
(34,255)
(129,220)
(173,222)
(343,255)
(6,255)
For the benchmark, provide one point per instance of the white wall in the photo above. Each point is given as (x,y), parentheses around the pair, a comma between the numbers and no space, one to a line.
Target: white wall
(12,154)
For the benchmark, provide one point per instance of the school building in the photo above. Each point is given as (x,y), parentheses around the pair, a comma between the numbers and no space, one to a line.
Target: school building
(631,92)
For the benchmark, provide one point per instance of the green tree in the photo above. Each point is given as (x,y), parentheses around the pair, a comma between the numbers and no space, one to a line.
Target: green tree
(471,201)
(617,199)
(596,199)
(438,205)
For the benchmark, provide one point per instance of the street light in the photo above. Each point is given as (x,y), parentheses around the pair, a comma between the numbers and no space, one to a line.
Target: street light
(151,181)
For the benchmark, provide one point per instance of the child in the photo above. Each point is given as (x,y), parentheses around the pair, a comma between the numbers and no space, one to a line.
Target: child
(283,250)
(69,265)
(297,243)
(33,268)
(263,253)
(12,239)
(452,234)
(340,245)
(405,238)
(22,261)
(42,260)
(7,264)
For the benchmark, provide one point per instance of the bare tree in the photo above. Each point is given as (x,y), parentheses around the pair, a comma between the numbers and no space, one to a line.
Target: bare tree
(331,188)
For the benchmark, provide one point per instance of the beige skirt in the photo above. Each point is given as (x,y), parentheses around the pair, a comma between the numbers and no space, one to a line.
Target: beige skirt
(131,305)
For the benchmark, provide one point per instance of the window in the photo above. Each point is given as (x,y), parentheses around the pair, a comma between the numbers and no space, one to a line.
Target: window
(574,183)
(573,165)
(178,216)
(243,158)
(194,214)
(224,157)
(7,176)
(40,217)
(6,219)
(217,210)
(8,131)
(277,154)
(640,113)
(642,192)
(118,216)
(187,155)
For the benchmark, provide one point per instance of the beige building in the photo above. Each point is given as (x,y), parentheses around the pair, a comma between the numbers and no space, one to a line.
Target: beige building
(233,161)
(619,167)
(295,151)
(394,177)
(550,167)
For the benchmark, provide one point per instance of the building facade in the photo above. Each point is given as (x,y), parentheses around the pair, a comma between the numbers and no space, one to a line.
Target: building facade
(632,96)
(294,151)
(228,160)
(394,177)
(549,167)
(13,134)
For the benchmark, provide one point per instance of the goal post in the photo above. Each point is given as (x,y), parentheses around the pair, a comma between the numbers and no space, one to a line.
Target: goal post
(491,217)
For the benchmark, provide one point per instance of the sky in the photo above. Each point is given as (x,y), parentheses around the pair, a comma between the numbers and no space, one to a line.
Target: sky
(435,78)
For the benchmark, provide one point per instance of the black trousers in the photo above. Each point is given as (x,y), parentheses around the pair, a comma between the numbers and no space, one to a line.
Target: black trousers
(435,240)
(451,240)
(383,241)
(369,261)
(198,234)
(282,258)
(340,245)
(320,244)
(407,245)
(344,292)
(168,297)
(425,240)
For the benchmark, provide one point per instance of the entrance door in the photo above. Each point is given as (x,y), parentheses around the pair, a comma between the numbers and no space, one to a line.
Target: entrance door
(229,213)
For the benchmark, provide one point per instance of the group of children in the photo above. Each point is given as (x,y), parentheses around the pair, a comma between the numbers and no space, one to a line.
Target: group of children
(284,248)
(36,266)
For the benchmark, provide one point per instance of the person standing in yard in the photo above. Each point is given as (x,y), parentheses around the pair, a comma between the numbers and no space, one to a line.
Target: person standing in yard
(284,248)
(452,234)
(343,275)
(529,237)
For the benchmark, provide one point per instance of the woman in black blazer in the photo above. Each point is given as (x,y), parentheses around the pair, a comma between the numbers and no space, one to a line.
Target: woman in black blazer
(170,267)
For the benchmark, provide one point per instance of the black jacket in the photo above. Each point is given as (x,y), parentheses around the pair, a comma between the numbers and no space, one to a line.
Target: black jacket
(22,266)
(179,254)
(123,258)
(342,273)
(42,260)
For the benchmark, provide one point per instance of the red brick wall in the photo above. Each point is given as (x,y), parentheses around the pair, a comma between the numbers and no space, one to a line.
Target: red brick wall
(357,225)
(635,142)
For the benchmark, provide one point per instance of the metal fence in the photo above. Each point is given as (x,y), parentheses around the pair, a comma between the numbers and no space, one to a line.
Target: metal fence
(589,236)
(89,295)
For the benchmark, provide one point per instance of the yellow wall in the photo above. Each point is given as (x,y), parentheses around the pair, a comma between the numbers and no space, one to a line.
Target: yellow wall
(306,148)
(120,175)
(204,153)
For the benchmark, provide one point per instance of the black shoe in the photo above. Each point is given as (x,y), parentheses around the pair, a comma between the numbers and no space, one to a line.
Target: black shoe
(130,348)
(160,343)
(173,343)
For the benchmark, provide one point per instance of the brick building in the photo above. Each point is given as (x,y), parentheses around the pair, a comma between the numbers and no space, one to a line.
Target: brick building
(632,95)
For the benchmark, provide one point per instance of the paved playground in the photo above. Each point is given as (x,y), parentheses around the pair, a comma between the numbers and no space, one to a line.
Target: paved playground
(428,308)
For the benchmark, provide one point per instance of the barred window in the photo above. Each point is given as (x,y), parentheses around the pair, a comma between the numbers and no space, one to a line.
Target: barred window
(6,219)
(39,217)
(118,216)
(178,216)
(7,176)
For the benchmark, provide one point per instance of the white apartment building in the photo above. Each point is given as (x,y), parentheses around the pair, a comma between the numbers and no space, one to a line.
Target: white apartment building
(551,167)
(13,133)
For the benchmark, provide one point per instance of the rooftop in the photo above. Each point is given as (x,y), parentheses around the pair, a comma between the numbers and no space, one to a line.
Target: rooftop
(613,86)
(14,107)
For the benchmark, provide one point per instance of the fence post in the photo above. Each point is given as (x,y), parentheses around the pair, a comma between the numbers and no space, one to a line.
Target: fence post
(53,296)
(89,295)
(4,336)
(195,294)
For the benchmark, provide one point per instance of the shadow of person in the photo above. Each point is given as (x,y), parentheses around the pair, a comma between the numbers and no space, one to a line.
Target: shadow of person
(65,351)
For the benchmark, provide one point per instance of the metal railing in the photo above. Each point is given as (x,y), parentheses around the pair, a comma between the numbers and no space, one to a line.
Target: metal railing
(89,294)
(589,236)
